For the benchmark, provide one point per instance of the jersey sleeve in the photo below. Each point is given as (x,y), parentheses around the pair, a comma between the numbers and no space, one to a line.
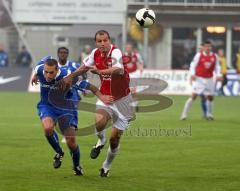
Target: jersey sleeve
(117,58)
(75,65)
(38,68)
(194,64)
(82,85)
(89,60)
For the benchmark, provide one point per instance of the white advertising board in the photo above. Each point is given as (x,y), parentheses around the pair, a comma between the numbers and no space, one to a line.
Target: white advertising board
(69,12)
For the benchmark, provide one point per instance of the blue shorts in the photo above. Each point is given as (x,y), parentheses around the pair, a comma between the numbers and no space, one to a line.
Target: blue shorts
(64,118)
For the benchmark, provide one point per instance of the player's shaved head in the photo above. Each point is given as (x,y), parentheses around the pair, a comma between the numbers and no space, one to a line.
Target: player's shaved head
(102,32)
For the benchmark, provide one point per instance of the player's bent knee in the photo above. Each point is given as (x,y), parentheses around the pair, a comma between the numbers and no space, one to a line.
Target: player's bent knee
(101,122)
(114,142)
(71,142)
(48,125)
(48,130)
(101,119)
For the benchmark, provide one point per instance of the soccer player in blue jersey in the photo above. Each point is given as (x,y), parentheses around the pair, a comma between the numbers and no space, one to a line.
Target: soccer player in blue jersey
(51,111)
(63,62)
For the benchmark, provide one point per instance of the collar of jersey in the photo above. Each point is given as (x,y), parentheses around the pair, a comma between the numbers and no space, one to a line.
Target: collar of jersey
(110,50)
(67,63)
(210,53)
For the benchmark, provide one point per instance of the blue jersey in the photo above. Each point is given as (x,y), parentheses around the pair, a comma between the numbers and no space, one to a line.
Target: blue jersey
(60,106)
(3,59)
(46,87)
(70,66)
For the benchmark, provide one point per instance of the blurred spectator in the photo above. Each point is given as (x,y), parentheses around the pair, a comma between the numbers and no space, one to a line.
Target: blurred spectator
(133,64)
(238,61)
(223,64)
(86,51)
(3,57)
(24,58)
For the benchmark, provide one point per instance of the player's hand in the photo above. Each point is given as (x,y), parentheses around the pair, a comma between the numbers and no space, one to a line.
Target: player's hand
(34,80)
(192,78)
(107,99)
(65,83)
(94,70)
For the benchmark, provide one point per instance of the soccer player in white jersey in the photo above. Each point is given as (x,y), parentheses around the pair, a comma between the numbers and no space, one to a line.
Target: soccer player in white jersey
(106,61)
(202,68)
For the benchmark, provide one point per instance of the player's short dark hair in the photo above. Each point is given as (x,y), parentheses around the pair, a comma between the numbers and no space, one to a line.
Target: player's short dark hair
(101,32)
(52,62)
(207,42)
(63,48)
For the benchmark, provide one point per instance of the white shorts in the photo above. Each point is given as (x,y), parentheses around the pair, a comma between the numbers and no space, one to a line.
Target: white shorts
(203,86)
(121,111)
(136,74)
(134,82)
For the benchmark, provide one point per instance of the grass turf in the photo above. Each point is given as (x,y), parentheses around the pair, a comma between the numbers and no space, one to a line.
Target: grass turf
(158,152)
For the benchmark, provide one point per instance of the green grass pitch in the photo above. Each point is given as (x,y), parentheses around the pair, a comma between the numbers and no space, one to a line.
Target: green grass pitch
(158,152)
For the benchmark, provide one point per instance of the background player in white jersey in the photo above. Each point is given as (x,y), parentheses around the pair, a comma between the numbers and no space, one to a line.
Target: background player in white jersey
(202,68)
(106,61)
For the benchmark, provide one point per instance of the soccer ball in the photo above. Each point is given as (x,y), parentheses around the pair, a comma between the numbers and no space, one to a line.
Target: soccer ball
(145,17)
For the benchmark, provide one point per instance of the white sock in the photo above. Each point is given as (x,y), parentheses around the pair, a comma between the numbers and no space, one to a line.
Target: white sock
(209,105)
(101,138)
(110,156)
(187,107)
(134,103)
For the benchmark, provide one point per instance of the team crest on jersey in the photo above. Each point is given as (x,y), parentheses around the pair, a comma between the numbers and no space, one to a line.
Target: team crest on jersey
(212,59)
(207,64)
(130,65)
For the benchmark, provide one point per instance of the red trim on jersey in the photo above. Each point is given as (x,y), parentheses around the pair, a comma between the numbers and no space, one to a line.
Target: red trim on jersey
(115,84)
(206,65)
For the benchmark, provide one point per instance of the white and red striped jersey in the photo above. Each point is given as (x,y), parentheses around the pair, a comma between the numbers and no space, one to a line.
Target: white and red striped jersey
(116,85)
(131,61)
(204,65)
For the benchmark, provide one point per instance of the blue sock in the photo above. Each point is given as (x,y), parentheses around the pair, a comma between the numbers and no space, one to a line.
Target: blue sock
(204,106)
(53,141)
(75,154)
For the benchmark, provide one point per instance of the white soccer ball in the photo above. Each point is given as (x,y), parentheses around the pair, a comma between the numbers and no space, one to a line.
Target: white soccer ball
(145,17)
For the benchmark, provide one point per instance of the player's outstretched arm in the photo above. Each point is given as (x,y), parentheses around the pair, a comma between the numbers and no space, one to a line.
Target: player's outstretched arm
(66,82)
(107,99)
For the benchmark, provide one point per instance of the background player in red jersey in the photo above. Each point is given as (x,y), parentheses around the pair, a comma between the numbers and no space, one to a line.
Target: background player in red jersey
(106,61)
(133,63)
(204,64)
